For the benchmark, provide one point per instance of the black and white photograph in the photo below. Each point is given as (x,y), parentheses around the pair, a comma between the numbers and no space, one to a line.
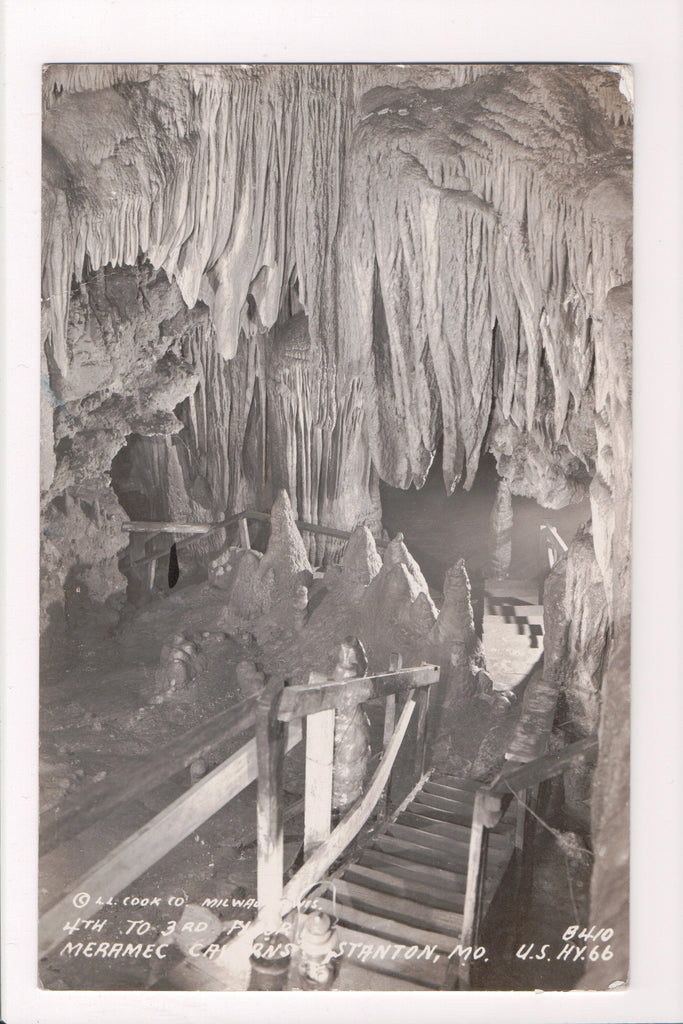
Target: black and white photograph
(335,369)
(335,534)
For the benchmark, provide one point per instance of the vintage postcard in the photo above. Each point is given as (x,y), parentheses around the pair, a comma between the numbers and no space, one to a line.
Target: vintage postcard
(336,503)
(335,565)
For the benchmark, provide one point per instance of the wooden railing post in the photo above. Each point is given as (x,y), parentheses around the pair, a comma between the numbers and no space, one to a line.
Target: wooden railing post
(422,699)
(270,752)
(395,663)
(143,574)
(318,782)
(243,527)
(476,874)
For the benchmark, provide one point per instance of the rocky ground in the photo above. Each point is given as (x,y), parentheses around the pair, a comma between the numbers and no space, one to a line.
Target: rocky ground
(199,649)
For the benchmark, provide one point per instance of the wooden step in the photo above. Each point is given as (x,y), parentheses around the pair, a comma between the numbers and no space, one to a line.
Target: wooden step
(386,927)
(443,843)
(407,911)
(457,833)
(463,796)
(440,809)
(430,894)
(514,632)
(427,973)
(461,813)
(451,881)
(427,818)
(455,861)
(454,781)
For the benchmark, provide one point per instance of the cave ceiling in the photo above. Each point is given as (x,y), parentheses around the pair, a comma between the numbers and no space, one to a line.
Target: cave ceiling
(386,256)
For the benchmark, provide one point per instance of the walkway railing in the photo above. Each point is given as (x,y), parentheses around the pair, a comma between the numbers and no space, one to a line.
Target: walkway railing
(555,547)
(316,704)
(518,782)
(154,840)
(277,716)
(142,534)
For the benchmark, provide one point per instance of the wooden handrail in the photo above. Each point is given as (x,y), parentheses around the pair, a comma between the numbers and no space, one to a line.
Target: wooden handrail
(317,702)
(204,529)
(300,701)
(515,780)
(98,799)
(349,827)
(517,777)
(149,844)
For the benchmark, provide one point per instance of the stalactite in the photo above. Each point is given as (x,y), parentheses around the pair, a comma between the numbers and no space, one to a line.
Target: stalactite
(454,233)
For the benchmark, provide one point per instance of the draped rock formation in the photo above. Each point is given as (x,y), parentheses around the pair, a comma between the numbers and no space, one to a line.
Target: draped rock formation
(451,233)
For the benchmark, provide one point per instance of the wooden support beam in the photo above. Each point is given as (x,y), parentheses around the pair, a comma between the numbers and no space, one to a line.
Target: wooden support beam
(98,799)
(318,785)
(127,562)
(299,701)
(154,840)
(315,867)
(270,745)
(198,529)
(150,527)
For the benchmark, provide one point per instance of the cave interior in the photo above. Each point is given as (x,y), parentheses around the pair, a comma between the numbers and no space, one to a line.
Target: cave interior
(391,300)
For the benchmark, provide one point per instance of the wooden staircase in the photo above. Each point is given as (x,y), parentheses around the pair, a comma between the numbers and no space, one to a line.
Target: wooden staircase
(400,903)
(513,630)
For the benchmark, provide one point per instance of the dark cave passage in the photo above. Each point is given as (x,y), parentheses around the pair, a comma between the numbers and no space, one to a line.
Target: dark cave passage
(440,528)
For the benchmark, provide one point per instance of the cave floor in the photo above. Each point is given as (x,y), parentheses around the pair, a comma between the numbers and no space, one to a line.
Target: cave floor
(96,717)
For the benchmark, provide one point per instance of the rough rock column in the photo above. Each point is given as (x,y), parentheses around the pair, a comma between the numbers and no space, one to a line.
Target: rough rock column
(453,639)
(500,541)
(351,731)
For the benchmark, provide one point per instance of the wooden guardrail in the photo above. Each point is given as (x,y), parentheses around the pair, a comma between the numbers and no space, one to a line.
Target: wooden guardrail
(99,799)
(278,729)
(142,532)
(554,545)
(518,781)
(154,840)
(316,703)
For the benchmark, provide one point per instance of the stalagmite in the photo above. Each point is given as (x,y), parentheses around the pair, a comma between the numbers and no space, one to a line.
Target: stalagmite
(351,731)
(453,639)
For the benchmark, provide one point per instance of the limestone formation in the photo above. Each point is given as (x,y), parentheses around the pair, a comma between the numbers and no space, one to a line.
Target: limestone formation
(399,593)
(453,640)
(351,731)
(250,678)
(501,531)
(179,663)
(576,634)
(473,308)
(251,591)
(285,555)
(361,562)
(221,568)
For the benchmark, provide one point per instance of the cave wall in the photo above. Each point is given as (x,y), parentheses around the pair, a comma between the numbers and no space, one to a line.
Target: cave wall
(127,373)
